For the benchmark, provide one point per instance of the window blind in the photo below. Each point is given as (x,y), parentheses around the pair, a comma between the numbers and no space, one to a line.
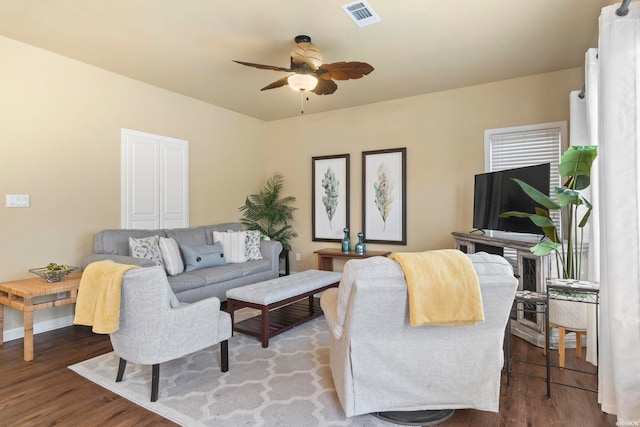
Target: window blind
(507,148)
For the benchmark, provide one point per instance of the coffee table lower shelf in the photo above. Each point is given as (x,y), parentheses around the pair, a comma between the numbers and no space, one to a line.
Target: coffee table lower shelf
(281,319)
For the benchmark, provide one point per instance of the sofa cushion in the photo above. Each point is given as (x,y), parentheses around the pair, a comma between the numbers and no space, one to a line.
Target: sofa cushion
(212,275)
(189,236)
(234,245)
(171,256)
(146,247)
(256,266)
(205,256)
(117,241)
(186,281)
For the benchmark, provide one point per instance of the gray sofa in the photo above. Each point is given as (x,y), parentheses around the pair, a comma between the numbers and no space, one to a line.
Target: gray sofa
(193,285)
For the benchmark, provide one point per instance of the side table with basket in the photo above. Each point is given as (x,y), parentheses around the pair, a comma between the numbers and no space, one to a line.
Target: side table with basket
(29,295)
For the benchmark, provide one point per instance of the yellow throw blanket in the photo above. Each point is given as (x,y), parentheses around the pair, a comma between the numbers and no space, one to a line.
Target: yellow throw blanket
(98,302)
(443,288)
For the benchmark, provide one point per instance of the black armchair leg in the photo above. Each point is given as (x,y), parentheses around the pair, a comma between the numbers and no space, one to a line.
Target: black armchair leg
(155,380)
(121,366)
(224,355)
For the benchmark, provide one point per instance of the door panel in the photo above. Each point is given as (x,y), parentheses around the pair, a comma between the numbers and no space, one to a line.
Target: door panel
(155,181)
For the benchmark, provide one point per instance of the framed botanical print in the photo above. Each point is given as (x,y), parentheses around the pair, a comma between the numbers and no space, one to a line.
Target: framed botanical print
(384,196)
(329,197)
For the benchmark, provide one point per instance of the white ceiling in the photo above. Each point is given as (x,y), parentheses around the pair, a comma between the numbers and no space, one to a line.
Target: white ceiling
(420,46)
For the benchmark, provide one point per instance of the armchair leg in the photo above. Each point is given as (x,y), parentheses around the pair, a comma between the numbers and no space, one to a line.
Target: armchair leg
(224,355)
(121,366)
(155,380)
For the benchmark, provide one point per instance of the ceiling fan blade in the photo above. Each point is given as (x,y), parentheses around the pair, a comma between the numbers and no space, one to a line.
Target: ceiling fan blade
(278,83)
(345,70)
(325,87)
(263,67)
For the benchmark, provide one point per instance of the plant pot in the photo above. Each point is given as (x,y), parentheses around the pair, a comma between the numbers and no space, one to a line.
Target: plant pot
(571,315)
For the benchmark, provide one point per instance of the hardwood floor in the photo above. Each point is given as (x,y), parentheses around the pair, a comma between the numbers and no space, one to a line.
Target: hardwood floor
(45,393)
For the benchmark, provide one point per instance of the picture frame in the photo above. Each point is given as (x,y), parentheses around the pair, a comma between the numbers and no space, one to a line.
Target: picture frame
(384,196)
(329,197)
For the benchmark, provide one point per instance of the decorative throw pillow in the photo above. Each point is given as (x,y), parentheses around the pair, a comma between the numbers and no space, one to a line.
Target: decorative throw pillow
(146,247)
(234,245)
(171,256)
(199,257)
(252,244)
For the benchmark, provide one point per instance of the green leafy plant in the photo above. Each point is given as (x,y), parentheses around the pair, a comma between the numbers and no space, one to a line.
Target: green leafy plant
(270,213)
(575,167)
(331,193)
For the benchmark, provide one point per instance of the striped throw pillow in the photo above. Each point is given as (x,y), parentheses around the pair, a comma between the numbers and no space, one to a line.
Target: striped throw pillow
(233,244)
(171,255)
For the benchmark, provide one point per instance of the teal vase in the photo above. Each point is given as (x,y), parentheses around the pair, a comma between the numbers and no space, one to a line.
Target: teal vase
(346,243)
(361,248)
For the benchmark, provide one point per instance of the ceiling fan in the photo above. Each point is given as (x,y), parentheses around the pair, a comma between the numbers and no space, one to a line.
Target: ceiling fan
(310,74)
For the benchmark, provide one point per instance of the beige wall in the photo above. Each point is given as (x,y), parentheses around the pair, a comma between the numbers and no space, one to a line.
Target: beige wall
(444,136)
(60,123)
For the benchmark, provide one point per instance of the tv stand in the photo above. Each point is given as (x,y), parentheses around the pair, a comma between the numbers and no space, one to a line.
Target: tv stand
(530,270)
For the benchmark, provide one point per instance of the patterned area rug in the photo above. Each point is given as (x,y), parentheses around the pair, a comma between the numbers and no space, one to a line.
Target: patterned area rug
(287,384)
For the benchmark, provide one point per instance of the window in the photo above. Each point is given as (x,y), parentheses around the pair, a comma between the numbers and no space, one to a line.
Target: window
(529,145)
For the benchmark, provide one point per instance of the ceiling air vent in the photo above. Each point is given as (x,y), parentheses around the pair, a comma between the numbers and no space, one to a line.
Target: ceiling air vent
(361,13)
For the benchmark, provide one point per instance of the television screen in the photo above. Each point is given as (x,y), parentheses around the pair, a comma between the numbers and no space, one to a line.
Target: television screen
(496,192)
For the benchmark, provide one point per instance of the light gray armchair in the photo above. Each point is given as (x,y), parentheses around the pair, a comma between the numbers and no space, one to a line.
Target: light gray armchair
(156,328)
(380,363)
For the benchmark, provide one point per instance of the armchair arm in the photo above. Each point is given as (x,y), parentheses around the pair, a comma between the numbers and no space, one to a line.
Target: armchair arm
(194,325)
(187,329)
(329,305)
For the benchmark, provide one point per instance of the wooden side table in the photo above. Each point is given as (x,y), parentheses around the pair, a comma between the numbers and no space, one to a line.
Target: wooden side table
(21,295)
(327,255)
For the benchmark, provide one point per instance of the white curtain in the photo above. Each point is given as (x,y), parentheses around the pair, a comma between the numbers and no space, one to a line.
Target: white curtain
(591,96)
(579,135)
(619,217)
(591,112)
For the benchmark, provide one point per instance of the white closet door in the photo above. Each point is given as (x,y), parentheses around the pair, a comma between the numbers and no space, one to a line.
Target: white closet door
(174,198)
(155,181)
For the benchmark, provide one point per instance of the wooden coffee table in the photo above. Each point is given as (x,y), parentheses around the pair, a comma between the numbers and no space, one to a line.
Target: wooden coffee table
(20,294)
(276,300)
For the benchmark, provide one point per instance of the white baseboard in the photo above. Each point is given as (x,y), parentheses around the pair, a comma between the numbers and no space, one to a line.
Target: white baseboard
(39,327)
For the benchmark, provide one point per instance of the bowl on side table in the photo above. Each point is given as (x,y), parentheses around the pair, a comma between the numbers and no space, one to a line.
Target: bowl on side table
(53,275)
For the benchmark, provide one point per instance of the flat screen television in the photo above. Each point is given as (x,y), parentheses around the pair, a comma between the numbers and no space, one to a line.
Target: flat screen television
(496,192)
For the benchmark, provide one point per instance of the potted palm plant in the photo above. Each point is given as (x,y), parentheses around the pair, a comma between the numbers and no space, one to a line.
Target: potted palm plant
(270,213)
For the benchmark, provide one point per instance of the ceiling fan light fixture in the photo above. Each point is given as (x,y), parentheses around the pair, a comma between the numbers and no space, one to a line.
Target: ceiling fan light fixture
(302,82)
